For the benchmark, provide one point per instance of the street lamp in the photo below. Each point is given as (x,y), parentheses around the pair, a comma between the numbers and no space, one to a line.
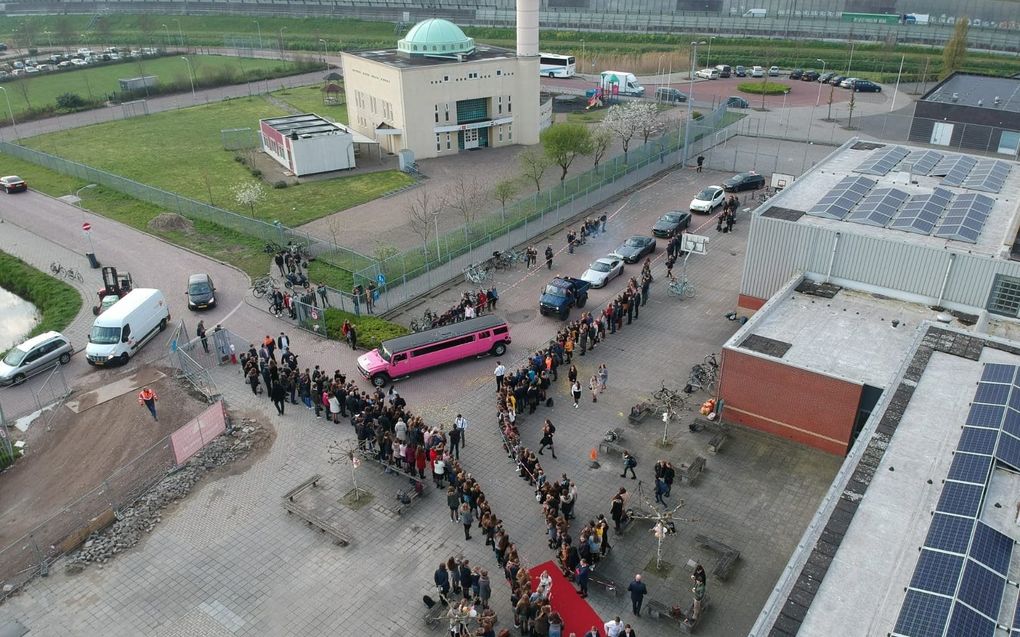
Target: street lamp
(259,27)
(77,194)
(658,65)
(191,75)
(582,54)
(690,98)
(167,30)
(708,58)
(819,98)
(180,31)
(325,51)
(282,29)
(11,111)
(49,37)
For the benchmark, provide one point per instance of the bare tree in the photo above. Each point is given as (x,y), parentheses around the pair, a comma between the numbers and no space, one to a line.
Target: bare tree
(420,214)
(624,122)
(336,229)
(534,163)
(850,107)
(464,198)
(504,192)
(601,138)
(22,85)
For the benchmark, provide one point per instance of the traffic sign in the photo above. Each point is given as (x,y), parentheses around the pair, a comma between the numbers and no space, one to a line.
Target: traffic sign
(315,314)
(86,226)
(381,278)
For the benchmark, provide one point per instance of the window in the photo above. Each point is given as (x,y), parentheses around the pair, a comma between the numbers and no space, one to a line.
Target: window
(500,104)
(502,329)
(447,112)
(499,72)
(448,141)
(482,335)
(429,349)
(446,78)
(1009,143)
(397,358)
(1005,296)
(438,147)
(509,106)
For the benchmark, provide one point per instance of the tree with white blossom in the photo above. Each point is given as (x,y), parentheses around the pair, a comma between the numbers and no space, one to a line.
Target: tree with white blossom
(249,193)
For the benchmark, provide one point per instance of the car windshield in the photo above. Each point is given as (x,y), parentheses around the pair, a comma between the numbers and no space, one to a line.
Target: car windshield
(13,179)
(670,218)
(202,287)
(385,353)
(634,242)
(600,266)
(104,335)
(707,194)
(15,356)
(555,291)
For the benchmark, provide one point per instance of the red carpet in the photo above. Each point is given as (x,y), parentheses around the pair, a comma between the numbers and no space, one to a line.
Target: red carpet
(578,616)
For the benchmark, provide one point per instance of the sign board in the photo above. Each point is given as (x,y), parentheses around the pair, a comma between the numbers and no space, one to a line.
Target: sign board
(694,243)
(380,278)
(86,226)
(315,314)
(780,181)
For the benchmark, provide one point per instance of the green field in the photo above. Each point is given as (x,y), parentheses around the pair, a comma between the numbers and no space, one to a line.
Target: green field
(58,303)
(100,82)
(181,151)
(308,99)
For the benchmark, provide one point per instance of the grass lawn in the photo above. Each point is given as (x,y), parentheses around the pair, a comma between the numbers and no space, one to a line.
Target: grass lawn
(58,303)
(101,81)
(308,99)
(181,151)
(596,115)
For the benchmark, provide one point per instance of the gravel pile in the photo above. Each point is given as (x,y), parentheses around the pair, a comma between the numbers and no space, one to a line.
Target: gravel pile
(169,221)
(146,512)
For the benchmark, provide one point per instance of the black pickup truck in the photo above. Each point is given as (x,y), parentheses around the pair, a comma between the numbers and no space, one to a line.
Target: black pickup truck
(561,294)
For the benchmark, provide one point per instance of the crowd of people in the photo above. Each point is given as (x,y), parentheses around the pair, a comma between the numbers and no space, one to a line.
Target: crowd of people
(470,305)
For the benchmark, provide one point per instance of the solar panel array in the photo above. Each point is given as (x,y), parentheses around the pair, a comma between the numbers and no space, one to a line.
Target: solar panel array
(947,164)
(878,207)
(988,175)
(961,572)
(843,196)
(920,162)
(882,160)
(921,212)
(965,217)
(957,174)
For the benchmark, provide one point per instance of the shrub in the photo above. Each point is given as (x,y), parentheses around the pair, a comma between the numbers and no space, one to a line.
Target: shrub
(70,101)
(371,330)
(239,159)
(768,88)
(279,185)
(256,173)
(696,115)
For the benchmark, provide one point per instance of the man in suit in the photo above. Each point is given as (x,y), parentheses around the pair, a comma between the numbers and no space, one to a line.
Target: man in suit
(638,590)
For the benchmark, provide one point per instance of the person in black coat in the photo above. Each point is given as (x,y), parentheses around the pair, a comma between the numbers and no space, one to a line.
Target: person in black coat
(442,579)
(638,590)
(279,396)
(466,578)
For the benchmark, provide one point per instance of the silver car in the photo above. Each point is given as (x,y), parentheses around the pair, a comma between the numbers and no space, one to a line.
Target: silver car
(35,355)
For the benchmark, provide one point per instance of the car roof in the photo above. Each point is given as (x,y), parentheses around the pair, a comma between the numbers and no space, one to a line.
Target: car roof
(607,259)
(7,177)
(35,341)
(198,278)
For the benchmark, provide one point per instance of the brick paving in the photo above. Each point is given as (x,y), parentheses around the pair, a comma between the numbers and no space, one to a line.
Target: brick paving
(230,561)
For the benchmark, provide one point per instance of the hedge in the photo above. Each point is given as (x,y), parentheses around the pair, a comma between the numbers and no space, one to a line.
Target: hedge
(371,330)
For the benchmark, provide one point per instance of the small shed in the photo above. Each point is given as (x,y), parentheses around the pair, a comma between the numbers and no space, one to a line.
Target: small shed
(307,144)
(132,84)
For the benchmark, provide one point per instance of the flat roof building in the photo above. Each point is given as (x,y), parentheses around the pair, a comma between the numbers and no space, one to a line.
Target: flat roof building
(970,111)
(307,144)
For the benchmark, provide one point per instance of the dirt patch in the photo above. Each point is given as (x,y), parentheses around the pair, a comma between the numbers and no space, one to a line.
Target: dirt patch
(171,222)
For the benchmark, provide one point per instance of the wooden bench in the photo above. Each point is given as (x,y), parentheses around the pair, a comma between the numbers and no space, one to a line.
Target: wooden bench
(412,493)
(687,625)
(608,446)
(690,472)
(639,411)
(717,441)
(606,583)
(727,556)
(291,504)
(658,610)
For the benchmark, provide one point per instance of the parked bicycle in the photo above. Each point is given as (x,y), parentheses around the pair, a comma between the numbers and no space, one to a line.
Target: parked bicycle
(272,247)
(681,288)
(262,286)
(477,273)
(704,375)
(426,322)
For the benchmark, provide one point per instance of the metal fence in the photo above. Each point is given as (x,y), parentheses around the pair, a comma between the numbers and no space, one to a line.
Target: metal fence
(179,350)
(34,396)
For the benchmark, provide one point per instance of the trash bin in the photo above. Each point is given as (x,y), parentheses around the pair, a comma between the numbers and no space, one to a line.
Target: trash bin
(93,262)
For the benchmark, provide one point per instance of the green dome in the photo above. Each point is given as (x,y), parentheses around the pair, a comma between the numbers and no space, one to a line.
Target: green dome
(436,37)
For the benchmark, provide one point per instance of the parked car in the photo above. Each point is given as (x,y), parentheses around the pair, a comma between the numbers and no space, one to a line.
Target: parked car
(65,64)
(744,181)
(809,76)
(836,79)
(724,70)
(3,47)
(796,74)
(847,82)
(708,199)
(671,224)
(13,183)
(773,71)
(757,72)
(825,77)
(602,271)
(35,355)
(634,249)
(120,332)
(708,74)
(736,102)
(669,94)
(740,71)
(866,86)
(201,292)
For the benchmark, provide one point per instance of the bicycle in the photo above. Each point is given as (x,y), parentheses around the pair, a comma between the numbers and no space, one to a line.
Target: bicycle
(275,308)
(665,393)
(74,275)
(260,287)
(56,268)
(272,248)
(682,288)
(703,376)
(476,273)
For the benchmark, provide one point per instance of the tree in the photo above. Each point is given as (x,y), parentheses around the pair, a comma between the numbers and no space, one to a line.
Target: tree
(421,212)
(504,192)
(146,26)
(648,116)
(601,138)
(249,193)
(533,166)
(832,90)
(850,109)
(563,143)
(624,122)
(464,198)
(956,49)
(65,31)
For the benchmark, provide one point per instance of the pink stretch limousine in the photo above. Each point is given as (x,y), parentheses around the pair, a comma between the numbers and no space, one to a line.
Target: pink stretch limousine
(412,353)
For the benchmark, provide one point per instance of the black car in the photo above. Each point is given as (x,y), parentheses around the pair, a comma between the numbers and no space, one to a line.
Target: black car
(825,77)
(866,86)
(836,79)
(736,102)
(809,76)
(744,181)
(671,223)
(635,248)
(201,292)
(796,74)
(740,71)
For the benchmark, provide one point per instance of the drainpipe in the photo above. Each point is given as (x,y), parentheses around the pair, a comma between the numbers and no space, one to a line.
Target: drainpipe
(945,279)
(832,257)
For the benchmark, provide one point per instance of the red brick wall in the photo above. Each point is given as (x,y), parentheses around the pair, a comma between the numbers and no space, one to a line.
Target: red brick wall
(809,408)
(752,303)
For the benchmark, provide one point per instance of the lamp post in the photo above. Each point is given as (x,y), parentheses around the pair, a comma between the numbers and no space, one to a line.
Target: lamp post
(91,254)
(582,54)
(708,57)
(282,29)
(690,98)
(180,31)
(11,111)
(191,75)
(259,27)
(167,30)
(325,51)
(819,98)
(49,37)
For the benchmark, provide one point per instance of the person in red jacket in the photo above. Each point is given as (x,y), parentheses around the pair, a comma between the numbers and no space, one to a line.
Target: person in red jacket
(148,398)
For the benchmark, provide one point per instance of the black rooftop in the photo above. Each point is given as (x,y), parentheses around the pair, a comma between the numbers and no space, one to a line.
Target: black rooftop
(970,89)
(470,326)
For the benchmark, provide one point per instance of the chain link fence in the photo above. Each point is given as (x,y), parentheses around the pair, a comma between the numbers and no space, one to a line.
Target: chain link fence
(34,397)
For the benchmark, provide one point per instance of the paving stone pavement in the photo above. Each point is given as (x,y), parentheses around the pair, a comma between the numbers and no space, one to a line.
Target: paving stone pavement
(229,561)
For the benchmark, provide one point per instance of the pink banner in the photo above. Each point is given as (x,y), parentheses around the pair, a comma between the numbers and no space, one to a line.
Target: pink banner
(187,440)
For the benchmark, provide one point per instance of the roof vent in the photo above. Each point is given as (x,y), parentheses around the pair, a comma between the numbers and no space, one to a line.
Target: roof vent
(955,97)
(998,100)
(981,102)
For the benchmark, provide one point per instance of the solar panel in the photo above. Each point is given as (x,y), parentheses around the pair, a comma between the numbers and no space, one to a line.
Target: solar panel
(949,162)
(991,548)
(920,213)
(988,175)
(981,589)
(882,160)
(878,207)
(920,162)
(966,622)
(1008,450)
(923,615)
(996,373)
(949,533)
(957,174)
(845,195)
(1011,424)
(992,394)
(975,440)
(937,572)
(1016,617)
(961,499)
(1014,398)
(969,467)
(965,217)
(985,415)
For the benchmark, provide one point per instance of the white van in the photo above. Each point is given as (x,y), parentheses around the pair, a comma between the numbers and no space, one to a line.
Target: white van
(627,83)
(122,330)
(755,13)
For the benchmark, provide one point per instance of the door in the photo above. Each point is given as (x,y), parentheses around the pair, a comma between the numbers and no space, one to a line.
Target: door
(941,133)
(470,138)
(1009,143)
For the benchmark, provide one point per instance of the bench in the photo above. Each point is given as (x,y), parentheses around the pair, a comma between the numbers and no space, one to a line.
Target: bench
(690,472)
(658,610)
(717,442)
(686,623)
(407,496)
(606,583)
(639,411)
(626,522)
(608,446)
(290,503)
(727,556)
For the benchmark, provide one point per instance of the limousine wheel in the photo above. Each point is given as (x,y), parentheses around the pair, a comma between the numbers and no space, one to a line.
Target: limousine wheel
(380,380)
(499,349)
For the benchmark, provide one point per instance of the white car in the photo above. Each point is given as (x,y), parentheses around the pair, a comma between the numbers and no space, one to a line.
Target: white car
(773,71)
(848,82)
(708,199)
(708,74)
(757,72)
(602,271)
(77,62)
